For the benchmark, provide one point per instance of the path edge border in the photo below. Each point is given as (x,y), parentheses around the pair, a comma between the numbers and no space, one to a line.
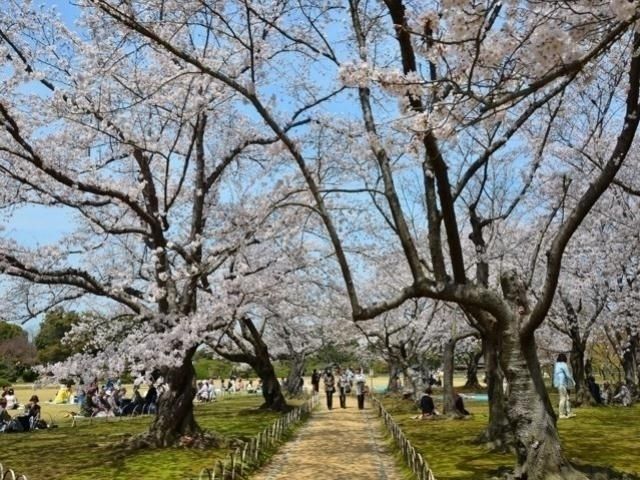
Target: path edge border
(412,458)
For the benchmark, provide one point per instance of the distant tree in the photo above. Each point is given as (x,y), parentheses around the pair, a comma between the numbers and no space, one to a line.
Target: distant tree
(49,340)
(9,331)
(16,352)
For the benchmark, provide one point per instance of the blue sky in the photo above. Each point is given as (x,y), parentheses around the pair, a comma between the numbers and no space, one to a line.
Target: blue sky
(34,225)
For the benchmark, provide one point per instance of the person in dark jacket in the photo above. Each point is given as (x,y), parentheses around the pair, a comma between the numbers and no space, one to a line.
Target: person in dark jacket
(459,404)
(315,381)
(329,388)
(427,406)
(594,389)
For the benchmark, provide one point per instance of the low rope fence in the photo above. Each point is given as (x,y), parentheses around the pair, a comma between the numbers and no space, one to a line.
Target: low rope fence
(10,474)
(413,459)
(250,455)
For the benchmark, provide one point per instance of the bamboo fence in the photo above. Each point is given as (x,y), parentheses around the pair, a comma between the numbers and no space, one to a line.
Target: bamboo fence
(250,455)
(10,474)
(413,459)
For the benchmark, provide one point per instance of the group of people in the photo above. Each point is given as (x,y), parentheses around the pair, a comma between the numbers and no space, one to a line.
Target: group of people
(110,399)
(208,392)
(428,409)
(342,382)
(619,394)
(103,402)
(28,420)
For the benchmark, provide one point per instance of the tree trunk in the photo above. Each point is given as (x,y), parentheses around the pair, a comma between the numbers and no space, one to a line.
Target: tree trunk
(629,361)
(538,449)
(271,391)
(174,417)
(583,395)
(394,375)
(498,433)
(472,371)
(296,372)
(414,381)
(448,401)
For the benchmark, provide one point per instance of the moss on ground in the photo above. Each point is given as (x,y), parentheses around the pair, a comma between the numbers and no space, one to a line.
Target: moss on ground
(89,451)
(598,438)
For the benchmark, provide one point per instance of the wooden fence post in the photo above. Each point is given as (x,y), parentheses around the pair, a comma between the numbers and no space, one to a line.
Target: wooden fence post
(414,460)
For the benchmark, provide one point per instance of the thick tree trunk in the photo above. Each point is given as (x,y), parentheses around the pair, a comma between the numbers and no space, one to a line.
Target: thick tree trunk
(296,372)
(271,391)
(583,395)
(498,433)
(174,417)
(472,371)
(538,449)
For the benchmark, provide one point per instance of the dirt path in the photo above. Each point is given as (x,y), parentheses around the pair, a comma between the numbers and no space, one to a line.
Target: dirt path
(339,444)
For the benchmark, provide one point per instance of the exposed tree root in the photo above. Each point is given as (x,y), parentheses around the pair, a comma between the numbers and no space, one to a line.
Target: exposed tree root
(276,407)
(580,473)
(200,440)
(496,445)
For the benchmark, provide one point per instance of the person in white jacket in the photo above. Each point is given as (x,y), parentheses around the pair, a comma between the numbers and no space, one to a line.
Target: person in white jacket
(361,387)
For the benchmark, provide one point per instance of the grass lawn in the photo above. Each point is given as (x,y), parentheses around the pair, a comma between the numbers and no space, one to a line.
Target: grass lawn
(600,437)
(87,450)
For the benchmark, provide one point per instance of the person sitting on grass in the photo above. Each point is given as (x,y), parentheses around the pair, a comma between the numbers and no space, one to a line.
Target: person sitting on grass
(63,395)
(4,415)
(33,407)
(150,400)
(427,407)
(623,395)
(89,407)
(135,405)
(459,405)
(202,393)
(12,400)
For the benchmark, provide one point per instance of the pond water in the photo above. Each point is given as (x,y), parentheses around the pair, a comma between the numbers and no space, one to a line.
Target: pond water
(476,397)
(472,397)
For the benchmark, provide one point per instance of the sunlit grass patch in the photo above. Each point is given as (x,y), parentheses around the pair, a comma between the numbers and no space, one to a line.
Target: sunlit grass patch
(89,451)
(597,437)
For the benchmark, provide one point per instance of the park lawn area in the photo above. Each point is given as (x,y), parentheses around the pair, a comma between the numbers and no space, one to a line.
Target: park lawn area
(597,437)
(89,451)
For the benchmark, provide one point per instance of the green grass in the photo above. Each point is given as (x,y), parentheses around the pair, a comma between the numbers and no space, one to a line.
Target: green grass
(88,451)
(605,437)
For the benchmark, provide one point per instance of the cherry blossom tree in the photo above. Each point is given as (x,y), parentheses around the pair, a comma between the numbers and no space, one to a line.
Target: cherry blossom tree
(161,185)
(433,123)
(402,338)
(279,297)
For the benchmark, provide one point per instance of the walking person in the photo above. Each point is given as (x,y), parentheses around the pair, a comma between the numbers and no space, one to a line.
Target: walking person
(564,382)
(361,384)
(315,381)
(344,387)
(329,387)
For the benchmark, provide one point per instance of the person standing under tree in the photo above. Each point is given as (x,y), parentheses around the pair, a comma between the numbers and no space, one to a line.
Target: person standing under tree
(361,383)
(329,388)
(563,381)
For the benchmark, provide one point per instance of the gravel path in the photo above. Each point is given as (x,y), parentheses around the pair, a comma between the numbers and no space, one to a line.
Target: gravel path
(340,444)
